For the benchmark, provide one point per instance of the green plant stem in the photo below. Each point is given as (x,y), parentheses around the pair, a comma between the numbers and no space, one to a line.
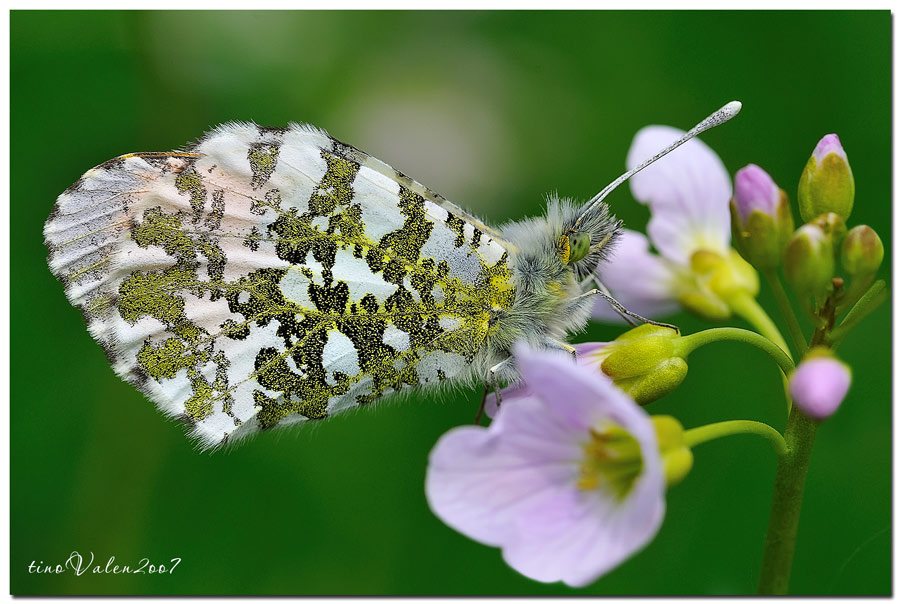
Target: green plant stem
(718,334)
(790,476)
(868,302)
(702,434)
(787,498)
(747,307)
(787,312)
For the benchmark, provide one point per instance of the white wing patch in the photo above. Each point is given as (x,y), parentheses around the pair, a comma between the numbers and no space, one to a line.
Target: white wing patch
(269,276)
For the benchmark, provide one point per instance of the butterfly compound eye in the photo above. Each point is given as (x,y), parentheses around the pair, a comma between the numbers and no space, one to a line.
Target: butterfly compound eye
(579,246)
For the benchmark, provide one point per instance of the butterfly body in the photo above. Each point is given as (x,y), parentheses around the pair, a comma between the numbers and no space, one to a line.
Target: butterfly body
(268,276)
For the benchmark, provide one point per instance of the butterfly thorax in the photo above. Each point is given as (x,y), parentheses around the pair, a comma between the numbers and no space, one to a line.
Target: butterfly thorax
(549,279)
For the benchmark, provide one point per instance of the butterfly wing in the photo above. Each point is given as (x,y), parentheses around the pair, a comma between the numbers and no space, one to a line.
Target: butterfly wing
(268,276)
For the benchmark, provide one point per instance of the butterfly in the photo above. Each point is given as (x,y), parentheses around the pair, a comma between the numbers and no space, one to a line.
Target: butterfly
(269,276)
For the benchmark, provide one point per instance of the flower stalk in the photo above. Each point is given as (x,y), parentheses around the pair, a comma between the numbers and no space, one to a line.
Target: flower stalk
(691,342)
(787,312)
(749,309)
(702,434)
(868,302)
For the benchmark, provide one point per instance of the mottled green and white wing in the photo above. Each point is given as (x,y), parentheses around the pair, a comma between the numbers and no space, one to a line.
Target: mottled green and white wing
(268,276)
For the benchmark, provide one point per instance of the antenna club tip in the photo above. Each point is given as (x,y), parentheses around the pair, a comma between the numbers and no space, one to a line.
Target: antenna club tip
(732,108)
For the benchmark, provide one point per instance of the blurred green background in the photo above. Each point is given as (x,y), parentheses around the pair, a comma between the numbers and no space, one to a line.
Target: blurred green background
(493,110)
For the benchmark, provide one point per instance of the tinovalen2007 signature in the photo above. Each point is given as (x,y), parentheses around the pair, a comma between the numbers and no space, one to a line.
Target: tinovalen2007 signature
(81,564)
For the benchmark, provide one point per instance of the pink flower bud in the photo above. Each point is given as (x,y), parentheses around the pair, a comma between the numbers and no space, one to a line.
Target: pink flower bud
(754,189)
(830,143)
(826,184)
(819,384)
(761,220)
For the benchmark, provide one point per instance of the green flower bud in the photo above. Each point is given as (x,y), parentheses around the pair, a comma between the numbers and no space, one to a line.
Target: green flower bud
(809,261)
(862,252)
(639,350)
(761,220)
(834,228)
(644,362)
(826,184)
(655,384)
(676,456)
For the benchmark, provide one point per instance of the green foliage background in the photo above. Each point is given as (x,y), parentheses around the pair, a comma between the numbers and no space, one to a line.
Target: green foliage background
(493,110)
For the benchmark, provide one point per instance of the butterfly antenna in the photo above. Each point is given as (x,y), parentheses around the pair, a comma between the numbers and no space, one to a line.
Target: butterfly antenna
(719,117)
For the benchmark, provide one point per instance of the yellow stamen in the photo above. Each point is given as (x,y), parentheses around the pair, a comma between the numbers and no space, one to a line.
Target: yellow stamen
(612,461)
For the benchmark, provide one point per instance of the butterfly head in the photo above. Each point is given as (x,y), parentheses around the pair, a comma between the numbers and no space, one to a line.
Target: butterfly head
(587,239)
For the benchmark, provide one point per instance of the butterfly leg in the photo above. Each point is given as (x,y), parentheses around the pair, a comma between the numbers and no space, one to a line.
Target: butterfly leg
(487,388)
(568,348)
(623,312)
(494,383)
(481,406)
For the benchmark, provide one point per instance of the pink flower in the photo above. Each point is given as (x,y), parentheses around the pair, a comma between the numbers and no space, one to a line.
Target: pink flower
(568,480)
(819,385)
(688,192)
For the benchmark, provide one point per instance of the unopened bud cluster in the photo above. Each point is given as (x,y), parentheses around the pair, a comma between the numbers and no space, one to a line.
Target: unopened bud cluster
(822,248)
(828,265)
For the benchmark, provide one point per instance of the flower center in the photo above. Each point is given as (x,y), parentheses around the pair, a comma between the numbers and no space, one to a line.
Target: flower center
(612,461)
(714,280)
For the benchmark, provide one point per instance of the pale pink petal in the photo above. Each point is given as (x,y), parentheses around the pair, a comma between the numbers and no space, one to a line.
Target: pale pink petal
(688,193)
(540,430)
(556,534)
(583,355)
(830,143)
(509,394)
(479,479)
(575,396)
(579,535)
(642,282)
(584,350)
